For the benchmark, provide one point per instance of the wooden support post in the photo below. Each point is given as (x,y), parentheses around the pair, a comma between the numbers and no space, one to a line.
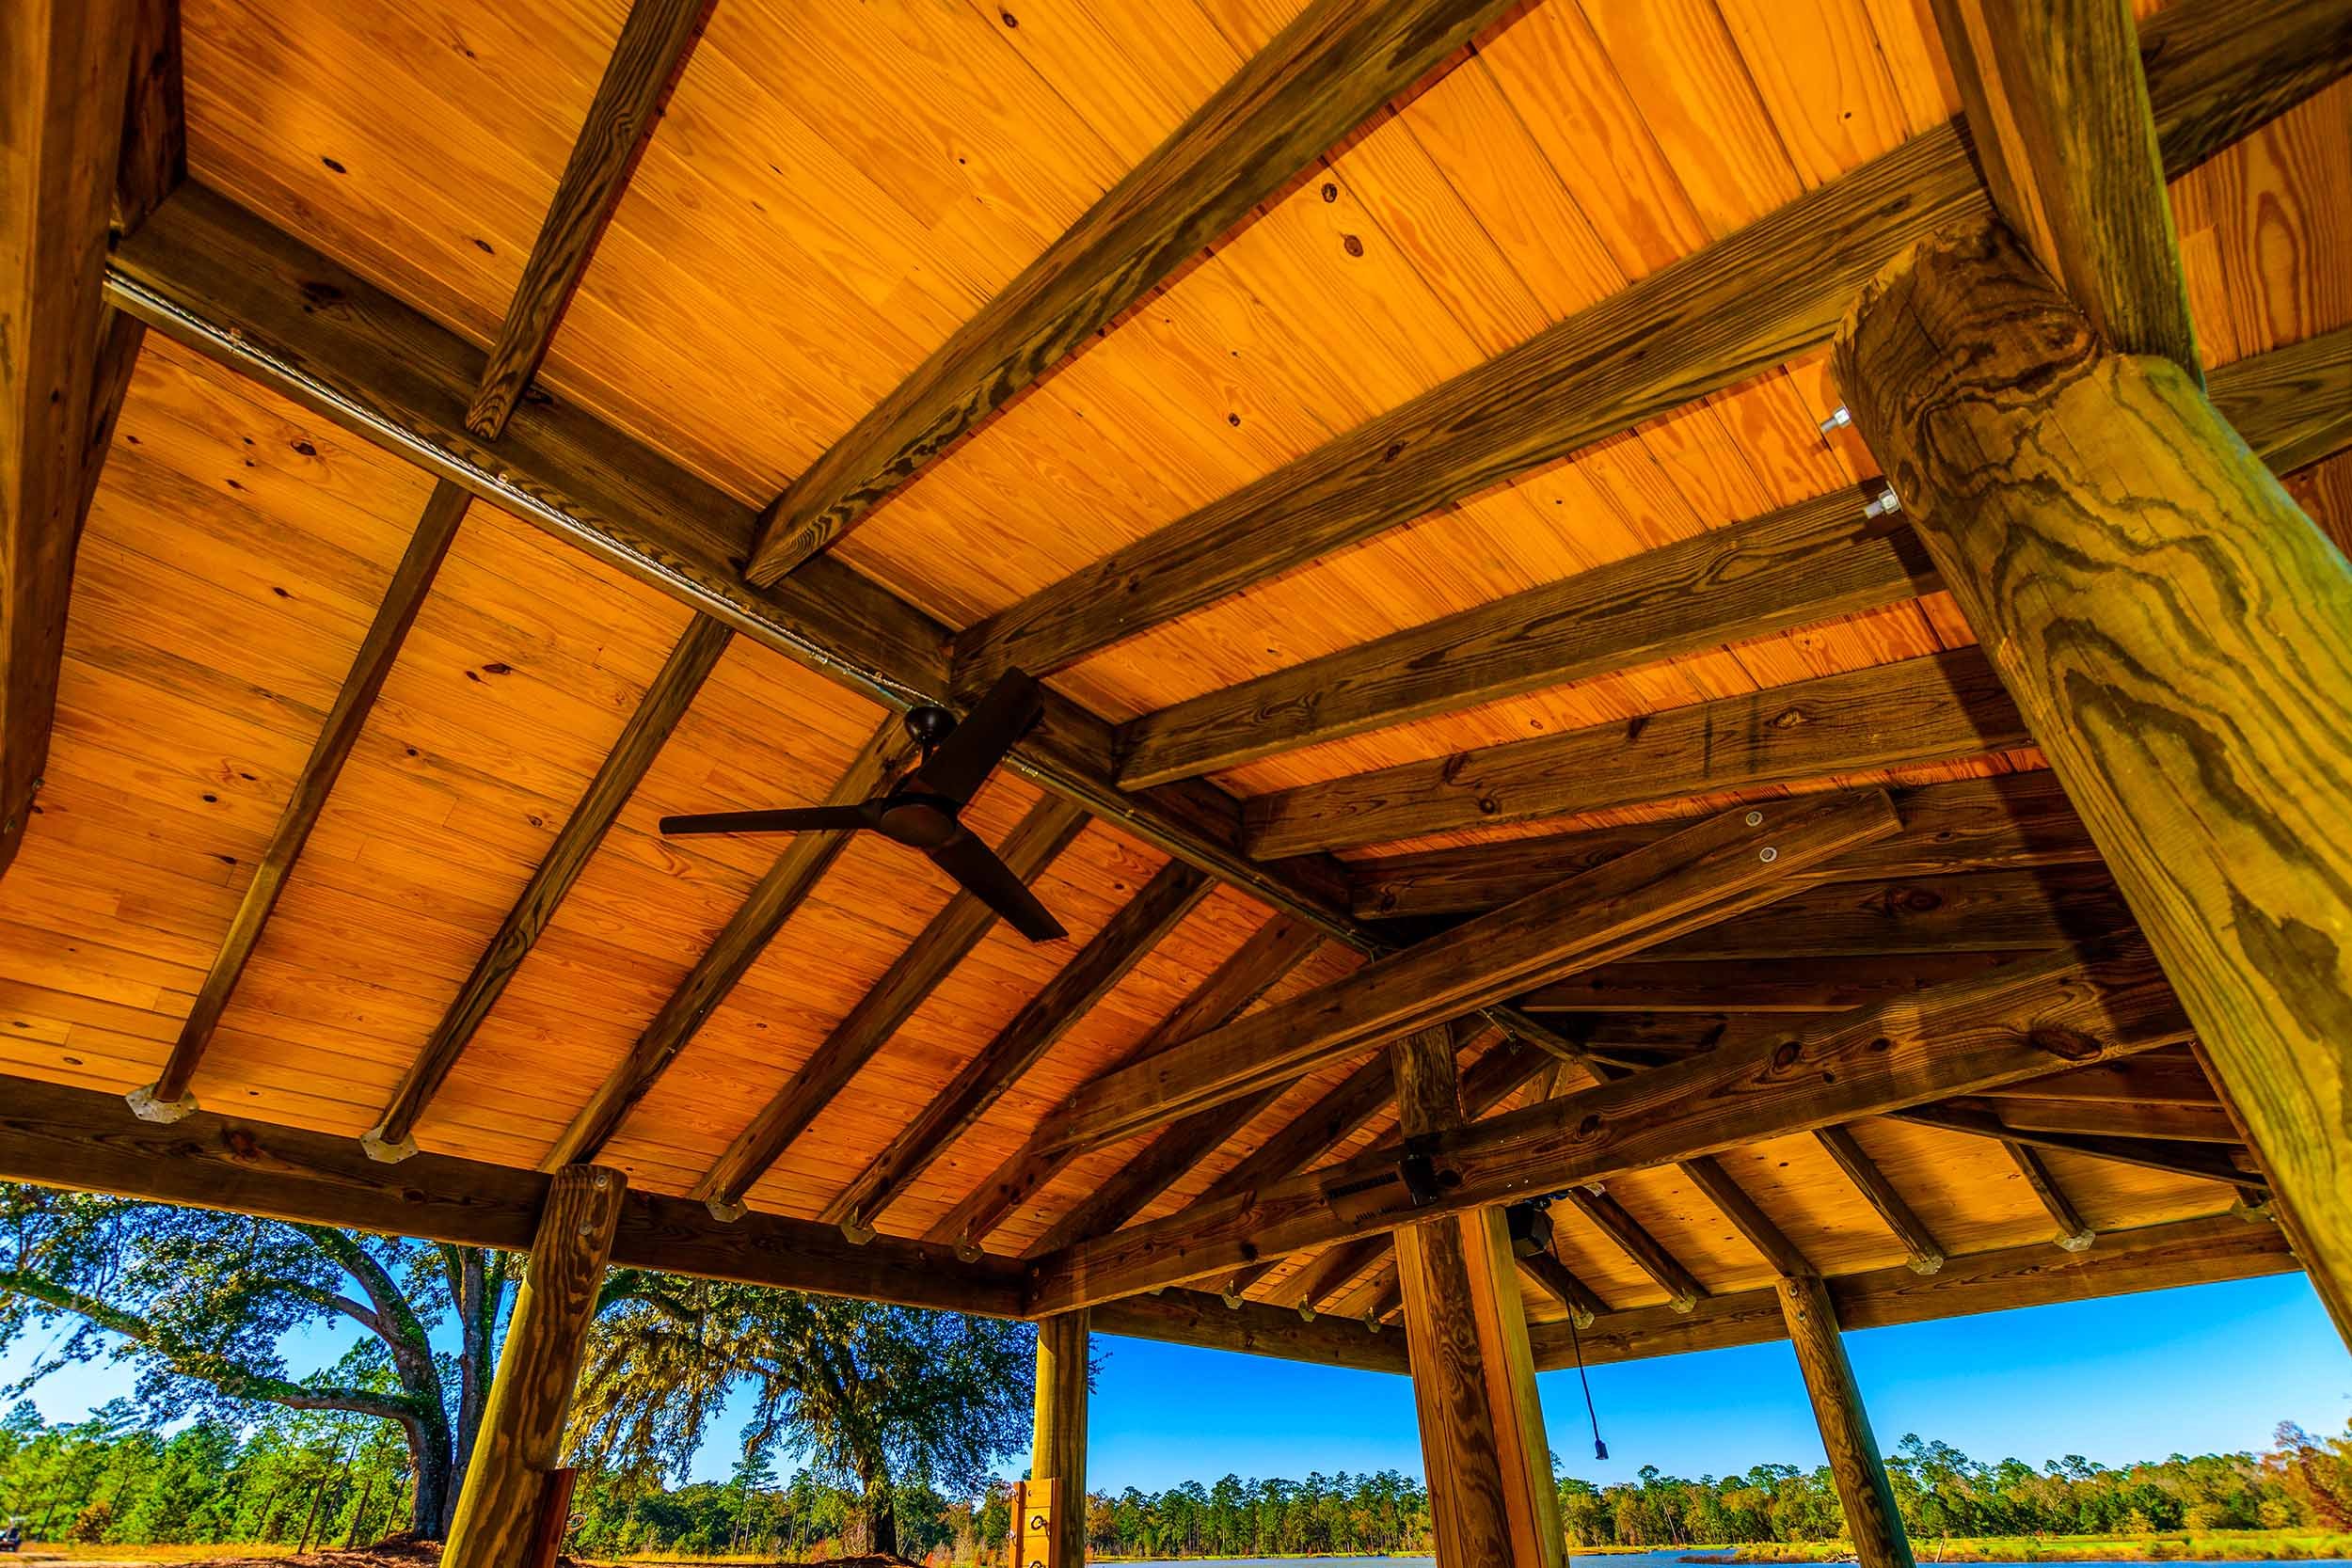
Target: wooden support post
(1058,1453)
(2178,637)
(1877,1530)
(1482,1428)
(499,1511)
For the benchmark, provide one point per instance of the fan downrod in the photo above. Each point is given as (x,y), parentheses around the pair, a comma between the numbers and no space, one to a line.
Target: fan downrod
(926,726)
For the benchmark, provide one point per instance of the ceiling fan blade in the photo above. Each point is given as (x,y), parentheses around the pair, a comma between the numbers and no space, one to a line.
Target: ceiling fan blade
(975,866)
(963,761)
(792,820)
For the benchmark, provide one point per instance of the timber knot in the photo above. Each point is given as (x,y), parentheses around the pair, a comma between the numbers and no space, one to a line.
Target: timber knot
(1590,1127)
(1904,898)
(1793,717)
(1786,1054)
(318,296)
(2070,1045)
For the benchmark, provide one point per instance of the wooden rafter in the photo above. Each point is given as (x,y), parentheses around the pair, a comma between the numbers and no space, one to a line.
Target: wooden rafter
(1124,940)
(2074,1235)
(1557,1280)
(1630,1237)
(2209,1123)
(664,704)
(2160,1078)
(654,44)
(1978,911)
(1042,833)
(1702,874)
(2206,1163)
(1276,948)
(1929,709)
(1706,1172)
(169,1097)
(2292,406)
(1336,64)
(1926,1253)
(2079,1006)
(787,883)
(1742,305)
(64,68)
(1745,988)
(2058,114)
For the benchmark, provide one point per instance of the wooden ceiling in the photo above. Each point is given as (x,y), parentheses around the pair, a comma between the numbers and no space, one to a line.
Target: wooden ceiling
(832,191)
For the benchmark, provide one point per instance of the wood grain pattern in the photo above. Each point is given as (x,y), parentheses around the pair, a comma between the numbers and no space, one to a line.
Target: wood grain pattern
(168,1095)
(1709,1174)
(2073,1234)
(2293,405)
(1251,1328)
(1040,835)
(1702,874)
(521,1438)
(1741,987)
(2058,114)
(1742,305)
(665,701)
(2182,636)
(65,67)
(1682,1287)
(1117,947)
(1333,66)
(2082,1005)
(154,156)
(1057,1443)
(56,1135)
(798,868)
(2228,1167)
(1926,1253)
(1920,710)
(654,46)
(2007,821)
(1978,911)
(1872,1522)
(1562,1284)
(1259,964)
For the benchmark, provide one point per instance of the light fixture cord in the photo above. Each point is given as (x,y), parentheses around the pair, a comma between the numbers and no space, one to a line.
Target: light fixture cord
(1600,1450)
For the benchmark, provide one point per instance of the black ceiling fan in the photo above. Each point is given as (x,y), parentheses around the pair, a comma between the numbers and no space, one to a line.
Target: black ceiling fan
(920,810)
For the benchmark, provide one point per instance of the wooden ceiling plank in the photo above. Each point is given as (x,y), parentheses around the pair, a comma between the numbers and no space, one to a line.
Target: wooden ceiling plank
(65,66)
(2058,114)
(1320,1282)
(1936,708)
(1926,1253)
(1708,1173)
(763,913)
(1276,948)
(61,1137)
(1332,68)
(2174,1159)
(1793,567)
(1560,1282)
(2102,1000)
(1747,304)
(1628,1234)
(169,1097)
(2008,821)
(1702,874)
(2074,1235)
(1124,940)
(665,701)
(1042,833)
(655,41)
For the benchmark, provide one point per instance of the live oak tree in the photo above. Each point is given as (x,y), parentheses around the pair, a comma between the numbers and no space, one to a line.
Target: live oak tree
(198,1302)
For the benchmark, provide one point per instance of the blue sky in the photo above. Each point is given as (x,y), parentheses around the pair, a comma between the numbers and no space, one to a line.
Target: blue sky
(2212,1368)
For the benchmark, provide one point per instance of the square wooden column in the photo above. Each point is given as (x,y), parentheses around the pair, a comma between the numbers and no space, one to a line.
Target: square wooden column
(1057,1452)
(1482,1428)
(505,1491)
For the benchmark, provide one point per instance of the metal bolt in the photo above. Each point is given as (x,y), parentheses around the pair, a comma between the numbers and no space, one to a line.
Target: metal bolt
(1838,419)
(1883,504)
(1756,818)
(1768,854)
(603,1181)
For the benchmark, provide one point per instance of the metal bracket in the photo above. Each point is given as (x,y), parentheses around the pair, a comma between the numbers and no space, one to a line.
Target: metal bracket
(145,1107)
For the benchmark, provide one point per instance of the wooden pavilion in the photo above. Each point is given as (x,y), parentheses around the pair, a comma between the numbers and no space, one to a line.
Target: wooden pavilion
(1679,607)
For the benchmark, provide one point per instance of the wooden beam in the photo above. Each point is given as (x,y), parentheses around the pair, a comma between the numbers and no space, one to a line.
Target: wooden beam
(2209,1123)
(1027,851)
(168,1097)
(2103,1000)
(1313,1288)
(2013,912)
(1201,1320)
(2160,1078)
(655,41)
(57,1136)
(1333,67)
(1058,1449)
(231,286)
(1256,967)
(64,67)
(1123,941)
(1560,1282)
(521,1440)
(1926,1253)
(1771,1244)
(1932,710)
(1702,874)
(2009,822)
(1872,1522)
(2179,635)
(2058,114)
(2152,1258)
(2292,406)
(1682,1287)
(665,701)
(1747,987)
(787,883)
(155,156)
(2074,1235)
(2229,1167)
(1741,307)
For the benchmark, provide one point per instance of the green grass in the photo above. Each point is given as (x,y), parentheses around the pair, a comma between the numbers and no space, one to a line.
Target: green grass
(2174,1546)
